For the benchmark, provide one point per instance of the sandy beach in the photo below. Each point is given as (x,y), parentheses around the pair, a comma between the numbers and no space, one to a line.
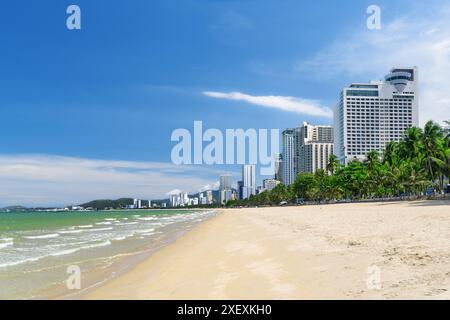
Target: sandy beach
(397,250)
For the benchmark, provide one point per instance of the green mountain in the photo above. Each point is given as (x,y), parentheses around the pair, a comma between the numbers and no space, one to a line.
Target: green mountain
(103,204)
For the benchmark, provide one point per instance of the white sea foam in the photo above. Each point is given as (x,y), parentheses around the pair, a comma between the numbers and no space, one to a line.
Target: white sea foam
(6,244)
(148,218)
(55,254)
(15,263)
(85,226)
(64,252)
(99,229)
(144,231)
(44,236)
(103,223)
(71,231)
(126,223)
(84,230)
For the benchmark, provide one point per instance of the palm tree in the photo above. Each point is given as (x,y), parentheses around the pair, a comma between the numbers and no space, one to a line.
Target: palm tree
(333,163)
(432,139)
(447,133)
(411,144)
(391,154)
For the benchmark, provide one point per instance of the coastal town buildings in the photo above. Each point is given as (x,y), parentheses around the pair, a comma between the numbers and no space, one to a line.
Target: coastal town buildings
(248,180)
(372,114)
(314,146)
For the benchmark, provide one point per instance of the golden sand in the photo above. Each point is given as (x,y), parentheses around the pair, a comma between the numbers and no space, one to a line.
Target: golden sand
(395,250)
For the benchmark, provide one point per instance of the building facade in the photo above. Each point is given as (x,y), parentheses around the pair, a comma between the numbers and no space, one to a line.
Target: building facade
(288,165)
(370,115)
(269,184)
(248,180)
(314,146)
(225,188)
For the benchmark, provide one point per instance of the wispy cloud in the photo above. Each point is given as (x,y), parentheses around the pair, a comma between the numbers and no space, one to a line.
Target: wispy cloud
(46,180)
(419,38)
(289,104)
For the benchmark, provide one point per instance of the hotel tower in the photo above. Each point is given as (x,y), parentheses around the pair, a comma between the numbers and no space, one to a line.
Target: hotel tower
(370,115)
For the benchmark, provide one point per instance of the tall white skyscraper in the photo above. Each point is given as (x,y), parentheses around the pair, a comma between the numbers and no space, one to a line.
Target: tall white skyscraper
(278,167)
(225,188)
(248,180)
(225,182)
(288,165)
(315,146)
(370,115)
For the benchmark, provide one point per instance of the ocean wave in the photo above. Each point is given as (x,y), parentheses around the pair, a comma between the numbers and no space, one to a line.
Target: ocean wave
(99,229)
(126,223)
(71,231)
(44,236)
(103,223)
(55,254)
(6,244)
(15,263)
(120,238)
(84,230)
(144,231)
(85,226)
(148,218)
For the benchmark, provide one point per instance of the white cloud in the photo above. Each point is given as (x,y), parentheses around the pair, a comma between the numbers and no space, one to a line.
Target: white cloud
(45,180)
(419,38)
(210,186)
(290,104)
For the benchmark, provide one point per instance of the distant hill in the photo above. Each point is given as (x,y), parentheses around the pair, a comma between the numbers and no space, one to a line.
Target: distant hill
(102,204)
(14,208)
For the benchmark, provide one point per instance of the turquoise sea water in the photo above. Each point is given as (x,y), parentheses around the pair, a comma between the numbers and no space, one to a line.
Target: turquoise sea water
(36,248)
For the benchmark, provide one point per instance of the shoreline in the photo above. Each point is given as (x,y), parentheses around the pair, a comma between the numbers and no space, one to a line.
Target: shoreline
(119,264)
(314,252)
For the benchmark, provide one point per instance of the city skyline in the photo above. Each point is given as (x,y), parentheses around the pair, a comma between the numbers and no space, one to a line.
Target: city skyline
(92,116)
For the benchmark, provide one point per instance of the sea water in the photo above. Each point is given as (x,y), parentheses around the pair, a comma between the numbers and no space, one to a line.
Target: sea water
(38,248)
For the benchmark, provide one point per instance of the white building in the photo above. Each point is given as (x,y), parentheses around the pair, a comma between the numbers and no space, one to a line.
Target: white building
(174,200)
(225,182)
(269,184)
(209,197)
(225,188)
(288,165)
(278,166)
(226,195)
(314,146)
(248,180)
(370,115)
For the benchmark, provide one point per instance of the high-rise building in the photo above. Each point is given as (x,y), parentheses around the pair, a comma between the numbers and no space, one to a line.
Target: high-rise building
(240,190)
(278,167)
(225,188)
(209,197)
(288,164)
(269,184)
(249,180)
(225,196)
(314,146)
(174,200)
(370,115)
(225,182)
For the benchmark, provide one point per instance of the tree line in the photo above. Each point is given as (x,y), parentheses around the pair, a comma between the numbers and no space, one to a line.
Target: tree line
(420,161)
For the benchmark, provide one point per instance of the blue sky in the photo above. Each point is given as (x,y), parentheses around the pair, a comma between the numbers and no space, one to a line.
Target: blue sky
(115,90)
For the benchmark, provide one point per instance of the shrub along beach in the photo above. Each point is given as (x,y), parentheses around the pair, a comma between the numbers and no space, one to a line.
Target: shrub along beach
(417,165)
